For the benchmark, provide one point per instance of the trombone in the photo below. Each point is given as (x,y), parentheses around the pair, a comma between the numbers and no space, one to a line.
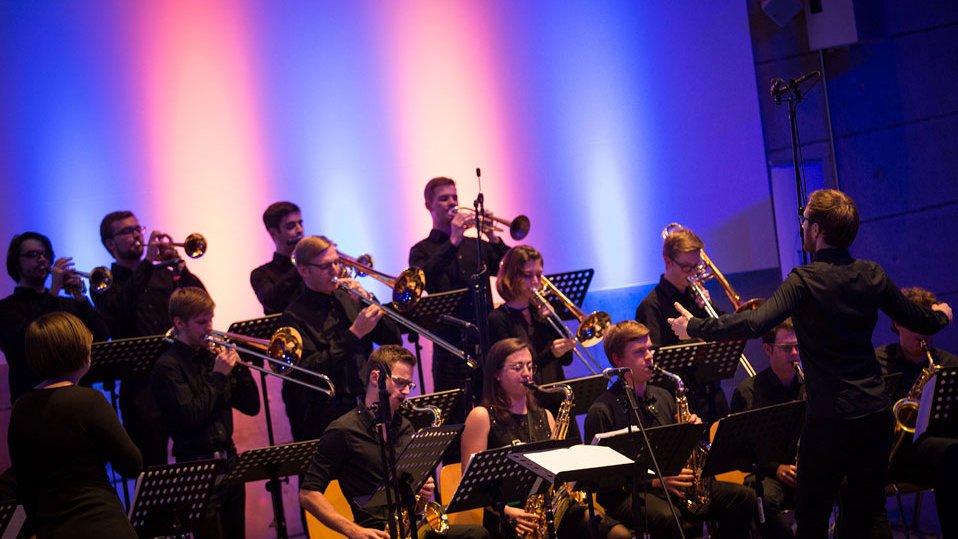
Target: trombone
(194,245)
(100,278)
(593,323)
(283,352)
(518,227)
(708,270)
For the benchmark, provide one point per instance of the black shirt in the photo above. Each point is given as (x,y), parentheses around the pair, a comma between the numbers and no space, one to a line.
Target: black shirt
(21,308)
(766,389)
(60,442)
(893,361)
(276,284)
(328,345)
(834,302)
(659,305)
(506,322)
(349,452)
(197,403)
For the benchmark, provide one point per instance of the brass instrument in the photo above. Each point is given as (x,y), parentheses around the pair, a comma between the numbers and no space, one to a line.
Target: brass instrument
(906,409)
(592,327)
(518,227)
(699,495)
(708,270)
(542,304)
(282,351)
(100,277)
(434,516)
(194,245)
(407,288)
(562,496)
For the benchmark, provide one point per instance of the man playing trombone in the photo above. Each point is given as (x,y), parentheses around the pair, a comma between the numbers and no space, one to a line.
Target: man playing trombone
(338,335)
(277,283)
(197,388)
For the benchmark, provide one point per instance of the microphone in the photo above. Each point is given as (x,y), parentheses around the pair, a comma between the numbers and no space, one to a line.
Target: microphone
(458,322)
(615,371)
(780,87)
(794,83)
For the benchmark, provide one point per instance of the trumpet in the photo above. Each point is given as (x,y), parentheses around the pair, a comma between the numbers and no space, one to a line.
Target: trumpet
(194,245)
(518,227)
(407,288)
(707,270)
(282,351)
(594,326)
(100,278)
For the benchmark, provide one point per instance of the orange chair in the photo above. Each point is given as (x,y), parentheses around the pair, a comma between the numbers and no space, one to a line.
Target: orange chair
(316,529)
(449,479)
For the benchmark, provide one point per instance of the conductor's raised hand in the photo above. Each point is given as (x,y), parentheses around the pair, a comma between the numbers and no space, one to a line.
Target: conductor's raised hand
(680,325)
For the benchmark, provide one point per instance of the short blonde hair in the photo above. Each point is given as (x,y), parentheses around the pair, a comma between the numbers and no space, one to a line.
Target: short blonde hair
(680,240)
(310,247)
(57,345)
(189,301)
(620,335)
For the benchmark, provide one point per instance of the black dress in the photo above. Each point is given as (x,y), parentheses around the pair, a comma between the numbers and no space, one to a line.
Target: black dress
(506,322)
(60,441)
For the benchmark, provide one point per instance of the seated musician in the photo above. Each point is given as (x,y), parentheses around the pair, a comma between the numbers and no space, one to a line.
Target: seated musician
(338,335)
(61,437)
(930,460)
(196,389)
(777,384)
(277,283)
(510,414)
(349,452)
(627,344)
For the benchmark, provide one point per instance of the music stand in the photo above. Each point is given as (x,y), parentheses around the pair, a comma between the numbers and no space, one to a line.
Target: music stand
(585,389)
(701,361)
(431,306)
(11,516)
(492,478)
(942,414)
(446,401)
(169,499)
(671,444)
(258,328)
(574,284)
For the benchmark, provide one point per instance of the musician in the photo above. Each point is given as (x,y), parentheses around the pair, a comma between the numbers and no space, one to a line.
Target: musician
(196,390)
(135,305)
(627,344)
(277,283)
(776,384)
(931,459)
(29,258)
(682,254)
(834,302)
(349,452)
(62,436)
(449,261)
(338,335)
(510,414)
(519,274)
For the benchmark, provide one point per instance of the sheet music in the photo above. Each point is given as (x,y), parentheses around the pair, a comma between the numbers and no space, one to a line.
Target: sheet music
(924,406)
(577,457)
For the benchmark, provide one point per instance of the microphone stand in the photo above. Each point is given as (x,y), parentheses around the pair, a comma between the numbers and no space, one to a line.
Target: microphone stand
(388,456)
(636,474)
(480,288)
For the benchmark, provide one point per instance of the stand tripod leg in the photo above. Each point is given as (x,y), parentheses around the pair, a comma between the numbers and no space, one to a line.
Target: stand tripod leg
(275,488)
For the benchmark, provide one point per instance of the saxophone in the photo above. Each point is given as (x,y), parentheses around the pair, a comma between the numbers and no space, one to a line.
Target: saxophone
(434,516)
(698,496)
(562,496)
(906,409)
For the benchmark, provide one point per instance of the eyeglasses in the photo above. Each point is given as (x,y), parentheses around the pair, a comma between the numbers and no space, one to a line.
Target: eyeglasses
(130,230)
(787,347)
(322,267)
(402,383)
(32,255)
(687,267)
(519,367)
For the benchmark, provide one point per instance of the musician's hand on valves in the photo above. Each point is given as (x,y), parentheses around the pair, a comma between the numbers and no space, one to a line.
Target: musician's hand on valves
(787,473)
(60,272)
(676,484)
(943,308)
(695,420)
(160,247)
(425,494)
(490,229)
(680,325)
(523,522)
(460,222)
(226,359)
(366,321)
(561,347)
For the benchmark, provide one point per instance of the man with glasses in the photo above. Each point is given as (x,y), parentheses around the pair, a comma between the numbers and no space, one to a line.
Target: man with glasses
(277,283)
(338,335)
(834,303)
(30,261)
(777,384)
(682,254)
(137,305)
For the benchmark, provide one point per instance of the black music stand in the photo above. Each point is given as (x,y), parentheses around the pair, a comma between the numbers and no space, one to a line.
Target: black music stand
(700,361)
(446,401)
(585,389)
(170,499)
(943,411)
(413,467)
(574,284)
(492,478)
(270,464)
(426,313)
(12,516)
(259,328)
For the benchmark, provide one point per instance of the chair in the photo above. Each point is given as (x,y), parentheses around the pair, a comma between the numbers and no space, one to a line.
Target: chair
(449,479)
(901,489)
(316,529)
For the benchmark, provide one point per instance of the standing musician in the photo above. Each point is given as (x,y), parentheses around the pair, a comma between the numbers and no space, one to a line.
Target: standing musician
(277,283)
(136,305)
(29,260)
(519,274)
(197,389)
(929,460)
(449,261)
(777,384)
(338,335)
(682,254)
(627,344)
(834,303)
(62,436)
(510,414)
(349,452)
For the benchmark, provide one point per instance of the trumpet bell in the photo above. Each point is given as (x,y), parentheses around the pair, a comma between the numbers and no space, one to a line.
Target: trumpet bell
(195,245)
(286,345)
(100,279)
(519,228)
(410,284)
(592,330)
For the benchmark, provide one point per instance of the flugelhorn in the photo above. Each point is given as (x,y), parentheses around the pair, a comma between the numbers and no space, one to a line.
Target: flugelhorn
(518,227)
(407,288)
(100,278)
(194,245)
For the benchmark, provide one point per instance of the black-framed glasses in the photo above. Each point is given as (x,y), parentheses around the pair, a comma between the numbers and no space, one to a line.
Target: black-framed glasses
(787,347)
(33,255)
(686,268)
(129,230)
(402,383)
(519,367)
(322,267)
